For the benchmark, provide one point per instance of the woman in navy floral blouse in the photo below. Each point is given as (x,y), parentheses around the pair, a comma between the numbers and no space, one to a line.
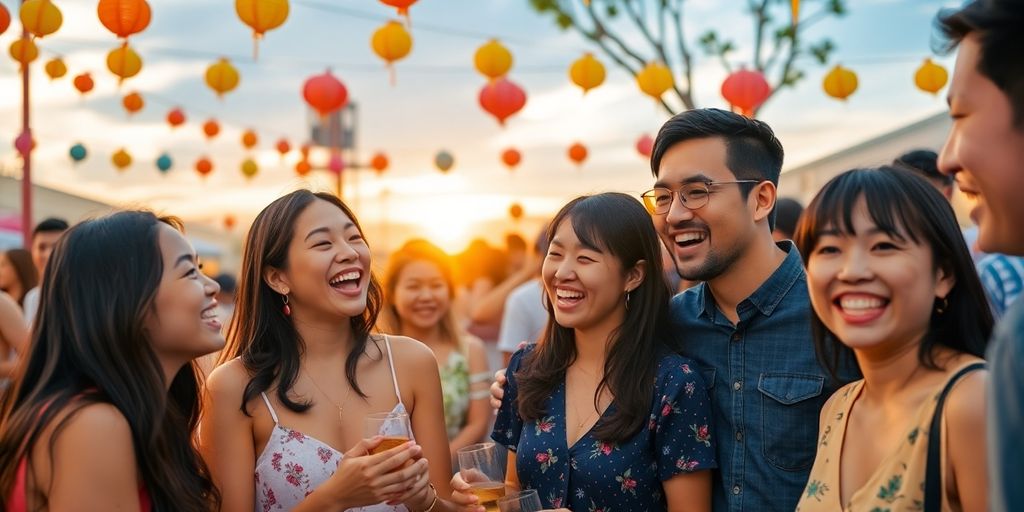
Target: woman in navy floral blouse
(601,415)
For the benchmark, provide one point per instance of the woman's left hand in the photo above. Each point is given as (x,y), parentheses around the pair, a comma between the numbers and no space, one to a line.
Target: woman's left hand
(421,494)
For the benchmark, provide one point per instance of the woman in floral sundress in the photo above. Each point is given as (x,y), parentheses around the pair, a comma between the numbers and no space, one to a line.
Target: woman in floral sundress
(890,277)
(601,414)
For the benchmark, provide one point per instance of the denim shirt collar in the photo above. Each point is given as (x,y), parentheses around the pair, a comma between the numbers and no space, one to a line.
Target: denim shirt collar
(768,296)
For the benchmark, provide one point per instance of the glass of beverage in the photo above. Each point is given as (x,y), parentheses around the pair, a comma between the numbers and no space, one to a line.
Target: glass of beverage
(523,501)
(394,426)
(480,467)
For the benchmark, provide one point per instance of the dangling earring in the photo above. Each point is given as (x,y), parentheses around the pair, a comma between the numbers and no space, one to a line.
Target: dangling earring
(627,300)
(286,309)
(943,306)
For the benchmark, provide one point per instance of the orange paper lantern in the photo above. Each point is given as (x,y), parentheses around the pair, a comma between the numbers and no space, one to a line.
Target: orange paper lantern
(511,158)
(204,166)
(250,169)
(84,83)
(261,16)
(124,63)
(746,90)
(40,17)
(325,93)
(229,222)
(133,102)
(655,79)
(577,153)
(222,77)
(283,147)
(124,17)
(303,168)
(930,77)
(379,163)
(121,159)
(24,51)
(502,98)
(515,211)
(249,139)
(492,60)
(175,118)
(391,43)
(401,5)
(840,83)
(55,68)
(587,72)
(211,128)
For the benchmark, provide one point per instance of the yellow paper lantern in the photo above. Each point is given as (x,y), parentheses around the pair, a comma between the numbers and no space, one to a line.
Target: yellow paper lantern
(55,68)
(261,16)
(40,17)
(493,60)
(930,77)
(121,159)
(655,79)
(250,169)
(840,83)
(24,51)
(587,72)
(391,42)
(124,62)
(222,77)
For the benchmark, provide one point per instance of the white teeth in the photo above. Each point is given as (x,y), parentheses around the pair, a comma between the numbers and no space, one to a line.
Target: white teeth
(568,294)
(860,303)
(347,276)
(690,236)
(209,314)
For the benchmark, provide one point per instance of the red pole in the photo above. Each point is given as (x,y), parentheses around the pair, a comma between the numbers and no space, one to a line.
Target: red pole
(26,177)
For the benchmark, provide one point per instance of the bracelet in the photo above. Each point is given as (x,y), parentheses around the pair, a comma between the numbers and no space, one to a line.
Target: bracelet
(434,502)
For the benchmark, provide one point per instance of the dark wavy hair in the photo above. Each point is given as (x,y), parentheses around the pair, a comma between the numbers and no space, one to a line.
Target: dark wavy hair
(260,334)
(25,270)
(89,345)
(615,224)
(904,206)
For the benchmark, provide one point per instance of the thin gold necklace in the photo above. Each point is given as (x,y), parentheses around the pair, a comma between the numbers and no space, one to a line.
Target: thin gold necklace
(341,409)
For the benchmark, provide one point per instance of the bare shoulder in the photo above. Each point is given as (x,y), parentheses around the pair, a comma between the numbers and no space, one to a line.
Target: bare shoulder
(411,353)
(102,420)
(97,431)
(966,403)
(474,344)
(228,378)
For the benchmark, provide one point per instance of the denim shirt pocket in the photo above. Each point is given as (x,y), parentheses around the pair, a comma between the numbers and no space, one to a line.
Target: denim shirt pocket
(708,374)
(790,406)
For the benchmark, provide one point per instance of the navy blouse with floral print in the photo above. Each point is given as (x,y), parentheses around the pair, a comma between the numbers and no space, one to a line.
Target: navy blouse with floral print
(594,476)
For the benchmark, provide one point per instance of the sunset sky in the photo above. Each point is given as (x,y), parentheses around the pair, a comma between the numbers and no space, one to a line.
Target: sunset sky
(432,106)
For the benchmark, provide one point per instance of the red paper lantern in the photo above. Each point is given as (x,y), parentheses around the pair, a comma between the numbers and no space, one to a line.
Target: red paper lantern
(229,222)
(211,128)
(325,93)
(124,17)
(336,164)
(283,147)
(84,83)
(511,158)
(175,118)
(746,90)
(577,153)
(133,102)
(645,145)
(502,98)
(204,166)
(379,163)
(302,168)
(5,19)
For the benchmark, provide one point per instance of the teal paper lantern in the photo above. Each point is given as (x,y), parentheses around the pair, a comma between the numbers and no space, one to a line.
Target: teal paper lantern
(78,153)
(164,163)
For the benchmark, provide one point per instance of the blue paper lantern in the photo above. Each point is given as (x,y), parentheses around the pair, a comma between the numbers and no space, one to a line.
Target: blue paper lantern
(78,153)
(164,163)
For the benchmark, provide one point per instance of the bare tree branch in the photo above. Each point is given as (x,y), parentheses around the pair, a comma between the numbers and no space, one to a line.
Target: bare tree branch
(760,21)
(684,51)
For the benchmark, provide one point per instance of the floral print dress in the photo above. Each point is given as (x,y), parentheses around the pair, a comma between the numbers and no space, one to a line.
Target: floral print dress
(594,476)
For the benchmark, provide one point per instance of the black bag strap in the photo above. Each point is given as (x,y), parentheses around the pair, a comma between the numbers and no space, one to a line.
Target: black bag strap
(933,470)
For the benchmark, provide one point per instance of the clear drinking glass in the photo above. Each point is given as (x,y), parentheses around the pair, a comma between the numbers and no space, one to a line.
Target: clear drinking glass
(481,468)
(393,426)
(522,501)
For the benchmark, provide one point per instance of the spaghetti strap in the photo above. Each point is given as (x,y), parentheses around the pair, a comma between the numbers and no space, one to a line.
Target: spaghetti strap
(394,376)
(273,414)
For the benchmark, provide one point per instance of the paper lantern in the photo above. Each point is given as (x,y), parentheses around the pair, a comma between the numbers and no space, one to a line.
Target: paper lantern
(5,19)
(391,43)
(164,163)
(303,168)
(24,143)
(502,98)
(211,128)
(444,161)
(133,102)
(587,72)
(121,159)
(84,83)
(55,68)
(204,167)
(379,163)
(229,222)
(654,80)
(78,153)
(930,77)
(511,158)
(493,60)
(249,168)
(261,16)
(401,5)
(124,63)
(304,151)
(124,17)
(515,211)
(249,139)
(222,77)
(840,83)
(175,118)
(645,145)
(335,164)
(283,147)
(40,17)
(577,153)
(746,90)
(24,51)
(325,93)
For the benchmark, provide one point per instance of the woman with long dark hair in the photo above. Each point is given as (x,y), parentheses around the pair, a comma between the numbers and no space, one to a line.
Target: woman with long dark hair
(892,281)
(601,414)
(103,413)
(302,370)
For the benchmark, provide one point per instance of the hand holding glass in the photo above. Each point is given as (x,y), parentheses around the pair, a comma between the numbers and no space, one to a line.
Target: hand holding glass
(393,426)
(480,467)
(523,501)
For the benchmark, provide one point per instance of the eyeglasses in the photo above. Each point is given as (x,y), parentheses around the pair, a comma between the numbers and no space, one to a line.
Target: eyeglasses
(693,196)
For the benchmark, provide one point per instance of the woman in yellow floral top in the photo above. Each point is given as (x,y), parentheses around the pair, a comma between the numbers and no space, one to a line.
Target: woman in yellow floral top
(418,292)
(890,277)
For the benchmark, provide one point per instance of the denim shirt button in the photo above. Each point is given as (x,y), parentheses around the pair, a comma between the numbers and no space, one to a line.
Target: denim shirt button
(736,336)
(738,385)
(739,435)
(735,489)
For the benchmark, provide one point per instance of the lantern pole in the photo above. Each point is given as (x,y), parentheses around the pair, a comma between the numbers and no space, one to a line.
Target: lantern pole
(26,156)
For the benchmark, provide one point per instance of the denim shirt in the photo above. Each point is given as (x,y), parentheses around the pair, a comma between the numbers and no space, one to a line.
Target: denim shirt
(765,383)
(1006,412)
